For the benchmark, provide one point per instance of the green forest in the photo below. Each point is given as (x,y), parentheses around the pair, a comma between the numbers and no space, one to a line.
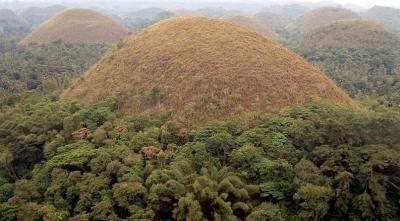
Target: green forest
(373,72)
(318,160)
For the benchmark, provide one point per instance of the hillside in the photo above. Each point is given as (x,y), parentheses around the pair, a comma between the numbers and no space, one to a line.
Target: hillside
(36,15)
(274,21)
(204,69)
(77,26)
(10,20)
(145,17)
(145,13)
(291,11)
(252,24)
(385,15)
(354,33)
(360,55)
(319,17)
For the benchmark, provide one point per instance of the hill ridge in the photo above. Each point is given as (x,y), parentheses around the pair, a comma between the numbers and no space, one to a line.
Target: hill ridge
(351,33)
(203,69)
(77,25)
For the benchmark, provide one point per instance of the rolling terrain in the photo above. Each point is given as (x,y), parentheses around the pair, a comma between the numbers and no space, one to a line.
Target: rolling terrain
(203,69)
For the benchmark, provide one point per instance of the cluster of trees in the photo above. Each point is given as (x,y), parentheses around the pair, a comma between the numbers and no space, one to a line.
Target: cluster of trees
(373,72)
(313,162)
(47,68)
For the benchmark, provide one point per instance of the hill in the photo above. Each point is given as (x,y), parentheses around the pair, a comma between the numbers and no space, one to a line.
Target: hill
(145,13)
(272,20)
(10,20)
(204,69)
(360,55)
(252,24)
(145,17)
(291,11)
(319,17)
(36,15)
(185,12)
(354,33)
(385,15)
(77,26)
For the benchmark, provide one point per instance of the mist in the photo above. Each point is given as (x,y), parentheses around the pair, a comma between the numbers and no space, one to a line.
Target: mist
(249,6)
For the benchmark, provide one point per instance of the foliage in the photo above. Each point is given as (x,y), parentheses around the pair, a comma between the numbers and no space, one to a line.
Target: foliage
(46,68)
(312,162)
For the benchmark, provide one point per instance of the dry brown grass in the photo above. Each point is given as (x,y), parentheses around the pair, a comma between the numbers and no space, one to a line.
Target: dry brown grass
(320,17)
(205,69)
(354,33)
(77,26)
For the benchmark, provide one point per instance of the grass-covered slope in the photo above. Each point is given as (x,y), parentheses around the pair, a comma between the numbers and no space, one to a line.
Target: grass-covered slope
(385,15)
(360,55)
(319,17)
(354,33)
(77,26)
(203,69)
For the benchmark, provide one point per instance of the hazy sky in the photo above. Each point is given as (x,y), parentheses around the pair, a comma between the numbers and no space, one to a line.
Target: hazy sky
(371,2)
(363,2)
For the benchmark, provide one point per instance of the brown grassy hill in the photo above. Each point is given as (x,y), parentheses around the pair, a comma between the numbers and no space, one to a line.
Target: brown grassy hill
(203,69)
(77,26)
(385,15)
(272,20)
(319,17)
(354,33)
(252,24)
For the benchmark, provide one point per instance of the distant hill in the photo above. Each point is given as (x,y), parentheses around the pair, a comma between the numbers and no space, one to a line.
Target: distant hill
(9,20)
(36,15)
(360,55)
(145,13)
(77,26)
(145,17)
(203,69)
(354,33)
(185,12)
(385,15)
(272,20)
(291,11)
(252,24)
(319,17)
(212,12)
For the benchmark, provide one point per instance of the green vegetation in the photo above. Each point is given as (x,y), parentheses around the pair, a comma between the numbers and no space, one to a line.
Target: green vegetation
(198,119)
(207,68)
(313,162)
(273,21)
(319,17)
(385,15)
(47,68)
(144,18)
(361,56)
(36,15)
(291,11)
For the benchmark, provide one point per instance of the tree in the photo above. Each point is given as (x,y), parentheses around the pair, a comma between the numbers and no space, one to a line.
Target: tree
(314,201)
